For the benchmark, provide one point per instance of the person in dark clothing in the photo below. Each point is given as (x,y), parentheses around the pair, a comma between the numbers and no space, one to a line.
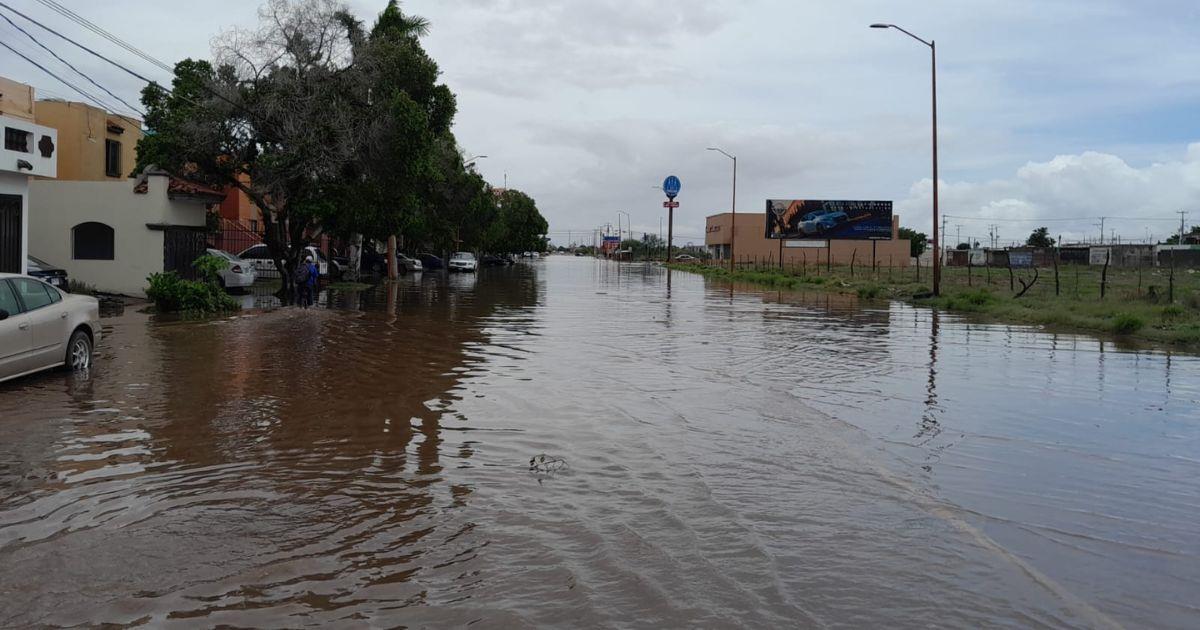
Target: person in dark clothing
(300,286)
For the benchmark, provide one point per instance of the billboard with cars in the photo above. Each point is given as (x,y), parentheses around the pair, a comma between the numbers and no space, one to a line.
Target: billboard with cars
(828,219)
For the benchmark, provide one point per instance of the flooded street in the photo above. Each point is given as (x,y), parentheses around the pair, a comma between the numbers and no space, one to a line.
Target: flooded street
(735,458)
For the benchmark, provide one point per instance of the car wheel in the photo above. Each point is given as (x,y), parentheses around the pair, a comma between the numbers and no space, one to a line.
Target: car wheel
(79,351)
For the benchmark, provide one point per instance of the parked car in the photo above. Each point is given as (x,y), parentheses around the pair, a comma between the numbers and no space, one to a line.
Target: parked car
(463,261)
(408,264)
(239,274)
(429,261)
(46,272)
(264,266)
(42,327)
(685,258)
(495,261)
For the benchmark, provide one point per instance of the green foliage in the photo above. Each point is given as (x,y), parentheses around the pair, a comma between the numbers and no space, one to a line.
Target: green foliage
(918,242)
(172,294)
(1172,311)
(1127,324)
(870,291)
(1040,238)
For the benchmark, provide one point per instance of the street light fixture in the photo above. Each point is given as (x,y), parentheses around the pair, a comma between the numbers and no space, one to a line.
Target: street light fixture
(732,207)
(937,252)
(471,161)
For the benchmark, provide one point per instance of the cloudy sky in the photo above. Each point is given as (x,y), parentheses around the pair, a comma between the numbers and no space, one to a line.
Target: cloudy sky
(1051,112)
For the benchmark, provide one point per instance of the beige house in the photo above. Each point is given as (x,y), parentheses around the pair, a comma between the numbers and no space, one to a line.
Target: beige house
(95,145)
(113,234)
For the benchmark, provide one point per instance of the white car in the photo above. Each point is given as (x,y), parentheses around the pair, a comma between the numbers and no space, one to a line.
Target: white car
(264,265)
(42,327)
(463,261)
(239,274)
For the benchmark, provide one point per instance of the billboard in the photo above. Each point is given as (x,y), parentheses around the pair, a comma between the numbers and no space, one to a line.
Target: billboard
(823,218)
(610,244)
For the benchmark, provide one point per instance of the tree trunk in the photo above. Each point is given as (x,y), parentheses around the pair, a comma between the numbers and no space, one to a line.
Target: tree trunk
(355,255)
(391,257)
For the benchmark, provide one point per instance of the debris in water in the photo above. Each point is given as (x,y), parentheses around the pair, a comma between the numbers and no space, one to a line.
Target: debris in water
(546,464)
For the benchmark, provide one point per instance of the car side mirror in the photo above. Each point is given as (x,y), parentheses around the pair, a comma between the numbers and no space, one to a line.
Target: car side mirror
(3,314)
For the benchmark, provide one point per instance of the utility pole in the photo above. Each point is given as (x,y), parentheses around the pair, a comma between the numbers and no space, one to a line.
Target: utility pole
(1101,226)
(957,234)
(942,248)
(1182,216)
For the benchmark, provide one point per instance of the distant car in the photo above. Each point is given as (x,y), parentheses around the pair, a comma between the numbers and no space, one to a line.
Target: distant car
(429,261)
(46,272)
(463,261)
(42,327)
(408,264)
(239,274)
(495,261)
(685,258)
(264,265)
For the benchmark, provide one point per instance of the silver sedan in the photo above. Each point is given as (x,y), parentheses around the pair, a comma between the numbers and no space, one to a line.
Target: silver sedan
(42,327)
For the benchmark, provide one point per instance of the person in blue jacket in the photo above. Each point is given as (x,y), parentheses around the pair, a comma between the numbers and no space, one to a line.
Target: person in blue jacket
(313,271)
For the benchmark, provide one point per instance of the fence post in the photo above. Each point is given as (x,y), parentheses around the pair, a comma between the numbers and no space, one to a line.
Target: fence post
(852,255)
(1056,254)
(1104,273)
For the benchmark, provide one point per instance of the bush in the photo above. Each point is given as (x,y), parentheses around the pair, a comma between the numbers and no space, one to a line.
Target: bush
(1127,324)
(79,287)
(869,291)
(1172,311)
(172,294)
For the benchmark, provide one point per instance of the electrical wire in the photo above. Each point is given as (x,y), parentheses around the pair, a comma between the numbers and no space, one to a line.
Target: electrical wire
(68,64)
(1055,219)
(84,22)
(60,79)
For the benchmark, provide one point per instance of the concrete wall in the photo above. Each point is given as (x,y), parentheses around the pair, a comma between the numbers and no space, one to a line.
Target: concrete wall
(750,243)
(14,184)
(82,130)
(57,206)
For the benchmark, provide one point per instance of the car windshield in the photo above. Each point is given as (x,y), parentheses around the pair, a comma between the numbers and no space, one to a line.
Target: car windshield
(464,256)
(39,262)
(223,254)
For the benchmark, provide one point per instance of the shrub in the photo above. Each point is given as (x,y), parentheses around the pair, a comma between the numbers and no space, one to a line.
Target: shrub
(172,294)
(869,291)
(80,288)
(1127,324)
(1172,311)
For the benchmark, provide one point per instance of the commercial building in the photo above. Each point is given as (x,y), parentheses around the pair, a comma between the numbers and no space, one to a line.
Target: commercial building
(29,150)
(750,244)
(94,145)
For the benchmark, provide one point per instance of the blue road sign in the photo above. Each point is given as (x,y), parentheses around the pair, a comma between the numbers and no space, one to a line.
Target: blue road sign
(671,186)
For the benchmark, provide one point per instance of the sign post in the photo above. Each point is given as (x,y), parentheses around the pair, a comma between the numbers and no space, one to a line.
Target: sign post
(671,188)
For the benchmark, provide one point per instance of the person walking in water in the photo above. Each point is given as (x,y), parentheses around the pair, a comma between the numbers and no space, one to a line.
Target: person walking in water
(313,273)
(300,286)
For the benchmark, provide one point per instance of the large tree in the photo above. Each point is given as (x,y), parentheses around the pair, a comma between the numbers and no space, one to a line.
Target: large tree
(321,124)
(1040,238)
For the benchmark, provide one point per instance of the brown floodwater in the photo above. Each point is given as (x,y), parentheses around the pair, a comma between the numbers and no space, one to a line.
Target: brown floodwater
(734,458)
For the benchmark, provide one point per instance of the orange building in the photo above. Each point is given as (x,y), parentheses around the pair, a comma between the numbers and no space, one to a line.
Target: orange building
(750,244)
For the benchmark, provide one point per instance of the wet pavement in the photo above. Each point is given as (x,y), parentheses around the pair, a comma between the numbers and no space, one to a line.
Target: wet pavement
(734,458)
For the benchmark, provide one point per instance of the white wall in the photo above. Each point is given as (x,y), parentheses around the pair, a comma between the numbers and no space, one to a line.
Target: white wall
(57,206)
(14,184)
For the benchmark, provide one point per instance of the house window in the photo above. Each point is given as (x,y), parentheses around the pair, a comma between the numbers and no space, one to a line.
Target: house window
(16,140)
(112,158)
(92,241)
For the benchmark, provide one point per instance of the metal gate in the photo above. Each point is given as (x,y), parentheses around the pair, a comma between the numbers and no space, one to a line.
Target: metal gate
(181,248)
(10,233)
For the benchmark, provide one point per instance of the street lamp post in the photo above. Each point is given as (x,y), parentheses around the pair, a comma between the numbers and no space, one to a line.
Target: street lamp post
(469,162)
(627,224)
(732,206)
(937,252)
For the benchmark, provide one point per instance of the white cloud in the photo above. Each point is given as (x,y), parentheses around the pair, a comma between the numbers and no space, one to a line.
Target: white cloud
(1068,194)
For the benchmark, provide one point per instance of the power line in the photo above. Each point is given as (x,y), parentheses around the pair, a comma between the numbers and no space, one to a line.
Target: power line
(67,64)
(1057,219)
(84,22)
(81,46)
(60,79)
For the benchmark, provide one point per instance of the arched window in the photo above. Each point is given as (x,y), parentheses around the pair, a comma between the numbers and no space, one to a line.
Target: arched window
(92,241)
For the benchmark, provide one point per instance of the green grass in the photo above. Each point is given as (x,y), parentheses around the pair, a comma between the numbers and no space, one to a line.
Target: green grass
(1135,303)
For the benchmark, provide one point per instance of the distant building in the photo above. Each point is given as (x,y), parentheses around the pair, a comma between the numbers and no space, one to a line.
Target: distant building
(750,243)
(29,150)
(94,145)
